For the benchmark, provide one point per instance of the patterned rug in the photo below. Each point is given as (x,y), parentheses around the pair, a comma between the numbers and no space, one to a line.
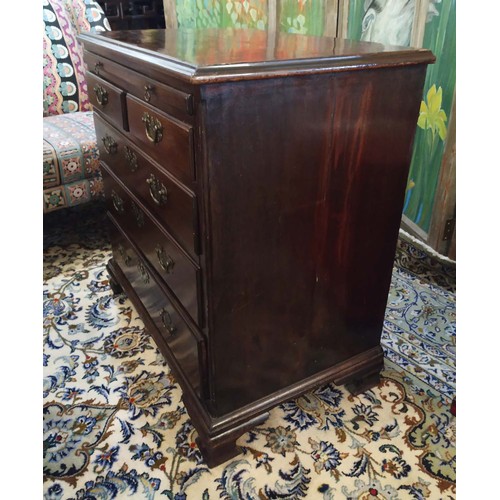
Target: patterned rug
(115,426)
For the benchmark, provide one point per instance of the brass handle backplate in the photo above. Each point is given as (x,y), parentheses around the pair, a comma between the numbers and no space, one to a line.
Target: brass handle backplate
(101,95)
(138,214)
(97,67)
(126,258)
(110,144)
(131,158)
(166,319)
(157,190)
(144,272)
(154,128)
(166,262)
(118,203)
(148,89)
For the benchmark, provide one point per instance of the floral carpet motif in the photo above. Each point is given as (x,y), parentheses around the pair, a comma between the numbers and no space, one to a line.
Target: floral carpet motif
(115,426)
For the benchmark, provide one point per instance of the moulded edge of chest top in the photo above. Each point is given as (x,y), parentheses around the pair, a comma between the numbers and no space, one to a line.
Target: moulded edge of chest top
(137,58)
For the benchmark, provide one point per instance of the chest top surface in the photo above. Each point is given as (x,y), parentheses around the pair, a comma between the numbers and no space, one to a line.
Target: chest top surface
(234,54)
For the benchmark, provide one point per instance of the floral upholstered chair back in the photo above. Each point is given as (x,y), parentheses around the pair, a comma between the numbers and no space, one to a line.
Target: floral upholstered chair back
(64,85)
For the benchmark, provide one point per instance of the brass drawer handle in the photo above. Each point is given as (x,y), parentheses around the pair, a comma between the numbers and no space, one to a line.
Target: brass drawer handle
(148,89)
(110,144)
(144,272)
(157,190)
(101,95)
(126,258)
(118,203)
(166,262)
(138,214)
(166,319)
(154,128)
(97,67)
(131,158)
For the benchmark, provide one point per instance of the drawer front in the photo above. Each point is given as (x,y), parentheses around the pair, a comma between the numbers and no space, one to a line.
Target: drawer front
(172,265)
(166,140)
(164,97)
(171,204)
(108,99)
(183,345)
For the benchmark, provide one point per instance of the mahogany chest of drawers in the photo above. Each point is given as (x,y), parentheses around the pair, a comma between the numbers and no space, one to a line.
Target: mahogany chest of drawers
(254,186)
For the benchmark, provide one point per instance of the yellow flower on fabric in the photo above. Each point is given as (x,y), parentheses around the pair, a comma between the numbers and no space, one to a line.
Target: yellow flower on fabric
(431,115)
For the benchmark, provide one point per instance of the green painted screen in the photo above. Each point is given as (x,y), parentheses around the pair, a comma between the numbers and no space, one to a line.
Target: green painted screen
(294,16)
(222,14)
(440,37)
(306,17)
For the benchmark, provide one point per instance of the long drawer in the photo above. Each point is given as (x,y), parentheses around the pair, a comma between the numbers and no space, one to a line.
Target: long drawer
(170,202)
(178,271)
(185,346)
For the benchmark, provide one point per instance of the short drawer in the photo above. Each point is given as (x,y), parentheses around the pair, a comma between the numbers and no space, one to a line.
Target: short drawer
(183,344)
(180,274)
(171,203)
(169,99)
(108,99)
(168,141)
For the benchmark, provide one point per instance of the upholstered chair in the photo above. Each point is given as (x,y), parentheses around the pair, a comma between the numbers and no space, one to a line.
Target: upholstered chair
(71,174)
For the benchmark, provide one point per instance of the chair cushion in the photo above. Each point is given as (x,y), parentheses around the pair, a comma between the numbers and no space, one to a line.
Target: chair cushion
(71,159)
(64,85)
(73,194)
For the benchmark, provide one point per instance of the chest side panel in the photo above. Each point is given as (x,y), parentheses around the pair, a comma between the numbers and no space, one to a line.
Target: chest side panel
(305,185)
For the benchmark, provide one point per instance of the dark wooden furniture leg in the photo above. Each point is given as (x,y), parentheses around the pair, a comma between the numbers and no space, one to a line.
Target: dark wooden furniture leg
(360,385)
(219,448)
(453,407)
(113,282)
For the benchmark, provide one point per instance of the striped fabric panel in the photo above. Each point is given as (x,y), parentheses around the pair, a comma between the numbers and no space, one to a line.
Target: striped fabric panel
(64,84)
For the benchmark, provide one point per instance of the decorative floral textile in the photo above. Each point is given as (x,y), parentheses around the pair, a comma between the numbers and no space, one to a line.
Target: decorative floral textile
(69,148)
(74,193)
(64,85)
(115,426)
(71,173)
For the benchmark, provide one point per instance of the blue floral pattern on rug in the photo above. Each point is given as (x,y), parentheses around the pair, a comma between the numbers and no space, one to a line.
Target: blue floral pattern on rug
(115,425)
